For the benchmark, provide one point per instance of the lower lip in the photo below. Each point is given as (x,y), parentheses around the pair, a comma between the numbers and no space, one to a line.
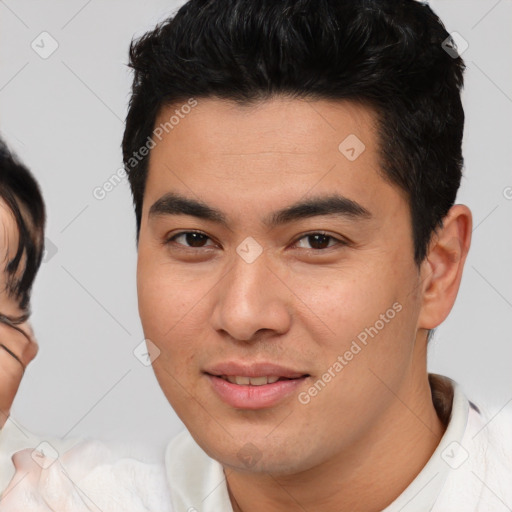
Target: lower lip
(254,397)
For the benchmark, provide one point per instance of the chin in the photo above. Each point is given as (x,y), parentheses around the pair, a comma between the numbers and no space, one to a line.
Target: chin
(254,452)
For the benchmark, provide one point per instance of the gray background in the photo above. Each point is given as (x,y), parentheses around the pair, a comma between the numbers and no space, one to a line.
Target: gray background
(64,114)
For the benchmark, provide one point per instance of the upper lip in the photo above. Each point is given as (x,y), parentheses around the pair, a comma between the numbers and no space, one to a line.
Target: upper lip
(263,369)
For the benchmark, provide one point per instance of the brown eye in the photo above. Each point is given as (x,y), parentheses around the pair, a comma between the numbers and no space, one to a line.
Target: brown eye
(191,239)
(319,241)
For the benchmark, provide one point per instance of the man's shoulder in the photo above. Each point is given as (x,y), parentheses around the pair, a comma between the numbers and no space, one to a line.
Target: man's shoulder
(492,427)
(480,475)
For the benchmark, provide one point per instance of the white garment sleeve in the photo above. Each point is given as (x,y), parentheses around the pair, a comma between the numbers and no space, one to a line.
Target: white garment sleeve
(76,476)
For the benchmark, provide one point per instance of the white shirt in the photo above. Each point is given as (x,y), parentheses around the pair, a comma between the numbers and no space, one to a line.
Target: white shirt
(470,471)
(38,475)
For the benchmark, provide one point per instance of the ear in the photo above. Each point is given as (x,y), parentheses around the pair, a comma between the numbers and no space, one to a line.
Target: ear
(441,271)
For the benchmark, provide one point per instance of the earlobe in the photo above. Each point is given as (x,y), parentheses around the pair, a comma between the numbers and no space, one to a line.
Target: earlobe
(442,269)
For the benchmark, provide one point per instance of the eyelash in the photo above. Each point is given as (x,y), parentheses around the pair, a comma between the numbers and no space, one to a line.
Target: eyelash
(340,242)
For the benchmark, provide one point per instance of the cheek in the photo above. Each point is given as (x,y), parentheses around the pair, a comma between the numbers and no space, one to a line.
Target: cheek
(172,308)
(155,298)
(375,326)
(165,296)
(167,316)
(344,301)
(368,317)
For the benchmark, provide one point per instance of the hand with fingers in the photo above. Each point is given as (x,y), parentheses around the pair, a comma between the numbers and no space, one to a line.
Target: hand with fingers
(18,348)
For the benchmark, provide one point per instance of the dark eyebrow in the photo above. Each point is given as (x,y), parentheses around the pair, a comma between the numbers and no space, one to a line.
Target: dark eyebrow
(176,204)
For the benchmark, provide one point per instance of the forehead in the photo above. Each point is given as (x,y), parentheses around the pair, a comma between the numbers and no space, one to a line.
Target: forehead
(274,125)
(253,154)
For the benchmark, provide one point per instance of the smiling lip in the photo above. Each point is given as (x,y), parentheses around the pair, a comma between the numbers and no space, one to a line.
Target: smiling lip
(249,396)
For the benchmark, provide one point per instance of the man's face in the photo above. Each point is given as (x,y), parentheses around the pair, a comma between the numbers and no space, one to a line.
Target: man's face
(289,298)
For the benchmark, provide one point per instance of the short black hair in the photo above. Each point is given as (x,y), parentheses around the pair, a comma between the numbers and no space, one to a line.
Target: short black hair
(386,54)
(21,193)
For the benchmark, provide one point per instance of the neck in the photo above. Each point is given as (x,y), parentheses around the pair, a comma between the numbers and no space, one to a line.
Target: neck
(367,477)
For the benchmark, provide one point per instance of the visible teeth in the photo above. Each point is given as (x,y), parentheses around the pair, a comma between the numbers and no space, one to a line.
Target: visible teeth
(258,381)
(252,381)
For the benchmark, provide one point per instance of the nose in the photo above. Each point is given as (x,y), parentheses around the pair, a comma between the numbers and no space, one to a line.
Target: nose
(252,301)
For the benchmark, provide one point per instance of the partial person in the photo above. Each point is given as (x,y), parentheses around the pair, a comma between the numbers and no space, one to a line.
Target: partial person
(39,474)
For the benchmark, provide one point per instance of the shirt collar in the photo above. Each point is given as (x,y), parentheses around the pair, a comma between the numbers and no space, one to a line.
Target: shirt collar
(422,492)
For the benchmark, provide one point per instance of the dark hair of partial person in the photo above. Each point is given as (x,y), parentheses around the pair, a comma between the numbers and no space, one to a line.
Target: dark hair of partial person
(21,193)
(385,54)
